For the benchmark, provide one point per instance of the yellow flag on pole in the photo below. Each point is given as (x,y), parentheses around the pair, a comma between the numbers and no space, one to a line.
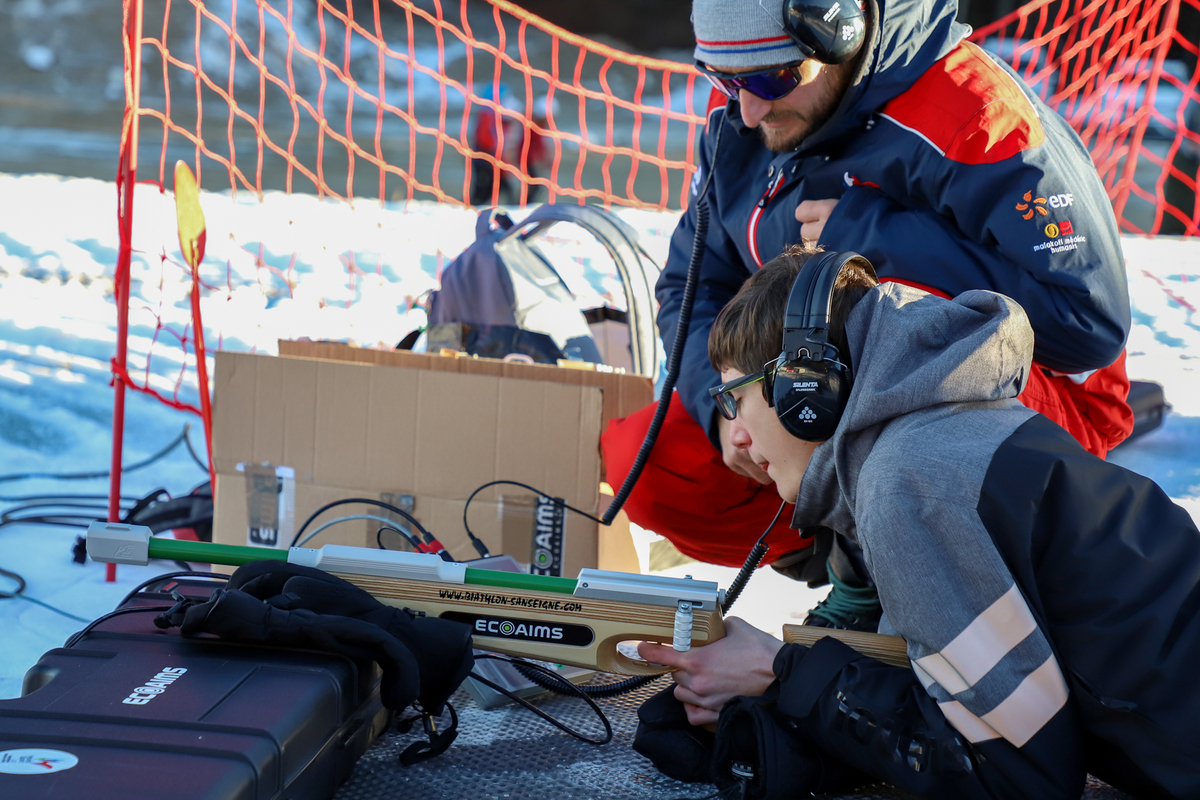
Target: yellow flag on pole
(191,243)
(192,231)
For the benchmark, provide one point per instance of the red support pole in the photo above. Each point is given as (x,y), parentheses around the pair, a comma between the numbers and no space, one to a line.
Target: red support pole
(202,376)
(126,179)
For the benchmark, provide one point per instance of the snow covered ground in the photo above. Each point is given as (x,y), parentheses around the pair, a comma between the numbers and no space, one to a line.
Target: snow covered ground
(293,267)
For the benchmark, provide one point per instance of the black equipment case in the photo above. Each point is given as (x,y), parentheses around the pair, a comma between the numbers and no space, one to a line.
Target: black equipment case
(131,712)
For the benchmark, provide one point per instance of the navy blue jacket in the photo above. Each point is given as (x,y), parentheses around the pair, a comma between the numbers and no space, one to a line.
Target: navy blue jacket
(952,175)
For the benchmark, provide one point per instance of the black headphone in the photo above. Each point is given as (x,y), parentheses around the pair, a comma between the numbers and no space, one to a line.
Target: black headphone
(812,380)
(831,31)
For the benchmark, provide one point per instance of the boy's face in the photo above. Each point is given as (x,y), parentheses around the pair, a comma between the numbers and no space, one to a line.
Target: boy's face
(757,430)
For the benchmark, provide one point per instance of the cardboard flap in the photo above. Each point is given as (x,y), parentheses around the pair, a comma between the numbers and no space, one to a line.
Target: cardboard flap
(623,393)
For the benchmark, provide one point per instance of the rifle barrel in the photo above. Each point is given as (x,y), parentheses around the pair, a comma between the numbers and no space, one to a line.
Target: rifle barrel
(236,555)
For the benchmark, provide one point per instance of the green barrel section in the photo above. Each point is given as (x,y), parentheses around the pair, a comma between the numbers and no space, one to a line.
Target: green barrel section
(208,553)
(235,555)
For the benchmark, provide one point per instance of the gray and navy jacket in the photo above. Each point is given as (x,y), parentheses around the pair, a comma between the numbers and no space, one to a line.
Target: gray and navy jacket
(1050,600)
(952,175)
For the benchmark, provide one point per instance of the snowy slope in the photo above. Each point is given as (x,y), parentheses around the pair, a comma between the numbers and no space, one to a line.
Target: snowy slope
(288,268)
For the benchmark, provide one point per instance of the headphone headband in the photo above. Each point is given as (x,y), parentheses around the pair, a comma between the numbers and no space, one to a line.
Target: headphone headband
(809,305)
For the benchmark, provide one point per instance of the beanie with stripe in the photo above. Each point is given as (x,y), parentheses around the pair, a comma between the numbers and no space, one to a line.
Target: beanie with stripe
(742,33)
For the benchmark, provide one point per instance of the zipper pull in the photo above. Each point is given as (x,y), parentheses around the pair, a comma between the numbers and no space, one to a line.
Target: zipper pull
(771,189)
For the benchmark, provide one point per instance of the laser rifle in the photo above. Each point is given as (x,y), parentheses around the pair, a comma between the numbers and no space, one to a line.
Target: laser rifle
(578,622)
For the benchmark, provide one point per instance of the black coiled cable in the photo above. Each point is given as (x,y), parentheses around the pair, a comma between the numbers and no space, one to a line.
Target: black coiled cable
(668,388)
(757,553)
(682,326)
(639,463)
(606,690)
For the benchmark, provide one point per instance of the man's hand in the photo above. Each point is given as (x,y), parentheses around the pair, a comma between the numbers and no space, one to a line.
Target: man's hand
(738,459)
(812,214)
(739,664)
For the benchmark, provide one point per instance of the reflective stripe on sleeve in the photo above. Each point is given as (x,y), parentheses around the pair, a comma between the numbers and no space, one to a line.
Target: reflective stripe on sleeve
(982,644)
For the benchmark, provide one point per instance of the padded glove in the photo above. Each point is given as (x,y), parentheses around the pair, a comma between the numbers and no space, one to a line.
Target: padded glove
(678,749)
(273,602)
(755,747)
(442,647)
(241,617)
(751,749)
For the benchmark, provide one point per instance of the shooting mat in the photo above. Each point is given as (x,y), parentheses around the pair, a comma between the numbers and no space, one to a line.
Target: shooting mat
(509,753)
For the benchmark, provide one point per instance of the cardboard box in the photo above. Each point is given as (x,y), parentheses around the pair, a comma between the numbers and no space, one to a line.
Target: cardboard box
(348,422)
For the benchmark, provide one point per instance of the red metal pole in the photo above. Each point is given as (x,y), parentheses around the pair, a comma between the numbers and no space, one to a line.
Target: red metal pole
(202,375)
(126,179)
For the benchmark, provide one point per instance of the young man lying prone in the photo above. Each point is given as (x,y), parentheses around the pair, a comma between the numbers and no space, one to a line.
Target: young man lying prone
(1048,598)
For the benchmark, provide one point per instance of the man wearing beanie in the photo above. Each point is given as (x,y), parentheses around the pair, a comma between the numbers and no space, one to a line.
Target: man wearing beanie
(878,130)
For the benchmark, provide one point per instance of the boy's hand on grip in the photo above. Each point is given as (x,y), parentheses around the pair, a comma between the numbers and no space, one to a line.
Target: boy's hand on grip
(706,677)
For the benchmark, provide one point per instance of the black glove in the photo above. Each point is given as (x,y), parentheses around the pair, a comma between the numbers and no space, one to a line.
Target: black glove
(442,647)
(754,748)
(678,749)
(287,605)
(235,615)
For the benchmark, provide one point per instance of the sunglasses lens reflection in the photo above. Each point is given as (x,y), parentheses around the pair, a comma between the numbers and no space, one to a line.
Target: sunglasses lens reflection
(766,85)
(723,86)
(773,85)
(727,405)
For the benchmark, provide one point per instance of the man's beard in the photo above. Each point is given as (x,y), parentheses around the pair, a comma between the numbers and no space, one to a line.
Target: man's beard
(823,107)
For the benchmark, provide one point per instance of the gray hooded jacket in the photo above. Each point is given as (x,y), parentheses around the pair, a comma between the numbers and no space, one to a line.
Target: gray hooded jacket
(1049,599)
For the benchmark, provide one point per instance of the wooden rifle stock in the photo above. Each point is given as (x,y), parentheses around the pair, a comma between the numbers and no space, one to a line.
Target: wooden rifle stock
(527,622)
(888,649)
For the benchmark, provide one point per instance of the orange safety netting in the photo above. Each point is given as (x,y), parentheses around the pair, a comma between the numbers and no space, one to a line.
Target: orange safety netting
(1123,74)
(403,100)
(480,103)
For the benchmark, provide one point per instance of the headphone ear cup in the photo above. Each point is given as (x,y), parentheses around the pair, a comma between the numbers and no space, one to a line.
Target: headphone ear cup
(833,30)
(810,397)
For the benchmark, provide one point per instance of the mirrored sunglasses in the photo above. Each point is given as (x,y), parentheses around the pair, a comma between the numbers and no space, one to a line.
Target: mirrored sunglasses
(771,83)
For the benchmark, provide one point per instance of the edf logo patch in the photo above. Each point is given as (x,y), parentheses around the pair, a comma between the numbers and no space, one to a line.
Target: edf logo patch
(1031,206)
(1061,200)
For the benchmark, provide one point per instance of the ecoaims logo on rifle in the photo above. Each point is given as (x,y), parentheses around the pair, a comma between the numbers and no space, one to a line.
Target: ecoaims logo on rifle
(525,630)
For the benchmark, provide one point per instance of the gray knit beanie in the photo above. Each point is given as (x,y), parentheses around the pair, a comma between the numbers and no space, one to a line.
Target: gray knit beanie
(742,33)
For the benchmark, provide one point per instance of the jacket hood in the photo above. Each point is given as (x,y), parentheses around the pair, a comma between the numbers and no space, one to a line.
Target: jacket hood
(904,38)
(910,351)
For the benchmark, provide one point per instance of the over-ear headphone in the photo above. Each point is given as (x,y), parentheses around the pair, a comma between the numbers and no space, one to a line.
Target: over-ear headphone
(812,380)
(832,31)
